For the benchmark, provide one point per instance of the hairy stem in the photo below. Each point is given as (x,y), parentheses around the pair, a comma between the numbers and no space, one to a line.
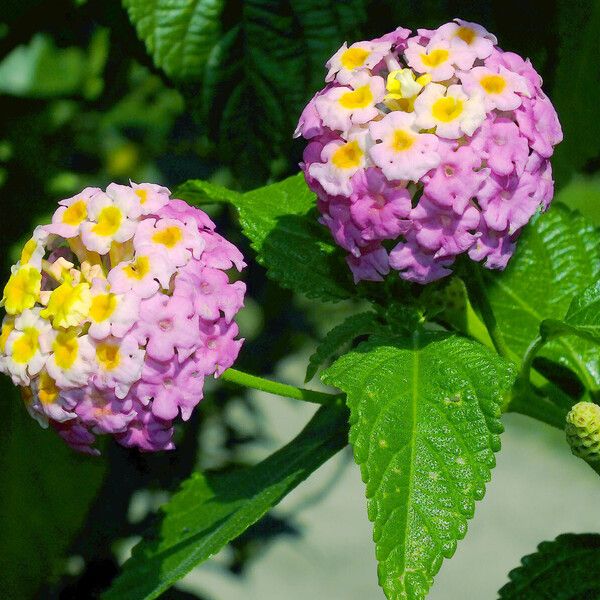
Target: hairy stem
(280,389)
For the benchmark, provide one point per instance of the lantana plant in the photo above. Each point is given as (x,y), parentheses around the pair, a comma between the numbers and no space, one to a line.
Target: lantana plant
(425,196)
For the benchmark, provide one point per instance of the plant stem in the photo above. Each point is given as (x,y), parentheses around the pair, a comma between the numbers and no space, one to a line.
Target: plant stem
(476,290)
(530,354)
(280,389)
(532,405)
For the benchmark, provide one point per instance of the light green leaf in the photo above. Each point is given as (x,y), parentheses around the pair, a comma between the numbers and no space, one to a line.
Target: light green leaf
(425,423)
(47,489)
(198,192)
(582,319)
(30,70)
(557,257)
(566,569)
(280,222)
(208,512)
(582,194)
(339,337)
(179,34)
(584,312)
(574,93)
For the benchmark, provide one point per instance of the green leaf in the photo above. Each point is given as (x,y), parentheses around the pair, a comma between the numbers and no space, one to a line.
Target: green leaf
(566,569)
(247,67)
(47,489)
(179,34)
(424,426)
(340,336)
(200,192)
(30,70)
(584,312)
(574,93)
(582,319)
(281,224)
(582,194)
(264,71)
(210,511)
(557,257)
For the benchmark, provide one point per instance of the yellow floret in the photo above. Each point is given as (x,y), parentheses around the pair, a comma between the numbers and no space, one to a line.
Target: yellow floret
(69,305)
(22,290)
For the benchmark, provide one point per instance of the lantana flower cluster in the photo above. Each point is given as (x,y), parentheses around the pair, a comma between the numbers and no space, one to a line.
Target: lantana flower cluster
(427,146)
(116,312)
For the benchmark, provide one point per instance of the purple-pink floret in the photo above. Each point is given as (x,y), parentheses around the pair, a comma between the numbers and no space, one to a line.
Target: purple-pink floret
(392,199)
(167,287)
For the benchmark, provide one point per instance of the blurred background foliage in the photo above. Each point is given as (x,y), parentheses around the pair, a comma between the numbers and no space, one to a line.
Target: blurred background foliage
(83,101)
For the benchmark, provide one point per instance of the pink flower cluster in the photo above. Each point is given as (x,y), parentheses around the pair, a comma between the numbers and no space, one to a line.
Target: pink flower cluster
(116,313)
(427,146)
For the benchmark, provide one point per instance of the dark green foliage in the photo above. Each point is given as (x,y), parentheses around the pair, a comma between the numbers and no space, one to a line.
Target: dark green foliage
(47,491)
(566,569)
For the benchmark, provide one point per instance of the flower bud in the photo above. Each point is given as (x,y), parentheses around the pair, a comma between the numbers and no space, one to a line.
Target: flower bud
(583,431)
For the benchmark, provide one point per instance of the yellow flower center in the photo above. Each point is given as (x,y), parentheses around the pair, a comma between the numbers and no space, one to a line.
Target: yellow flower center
(108,356)
(47,390)
(26,345)
(142,195)
(22,290)
(402,140)
(435,58)
(66,349)
(447,109)
(354,58)
(109,221)
(68,305)
(75,214)
(466,34)
(169,236)
(493,84)
(359,98)
(103,306)
(348,156)
(138,269)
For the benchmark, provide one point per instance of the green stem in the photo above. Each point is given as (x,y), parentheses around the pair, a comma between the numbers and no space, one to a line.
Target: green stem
(525,399)
(280,389)
(529,403)
(476,290)
(530,354)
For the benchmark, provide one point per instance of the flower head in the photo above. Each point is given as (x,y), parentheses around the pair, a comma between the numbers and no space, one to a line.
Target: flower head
(116,313)
(432,144)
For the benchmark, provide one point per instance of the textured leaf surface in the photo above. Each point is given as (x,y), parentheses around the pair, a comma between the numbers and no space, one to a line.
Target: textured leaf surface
(281,224)
(208,512)
(425,423)
(47,489)
(584,312)
(248,67)
(557,258)
(179,34)
(340,336)
(566,569)
(262,73)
